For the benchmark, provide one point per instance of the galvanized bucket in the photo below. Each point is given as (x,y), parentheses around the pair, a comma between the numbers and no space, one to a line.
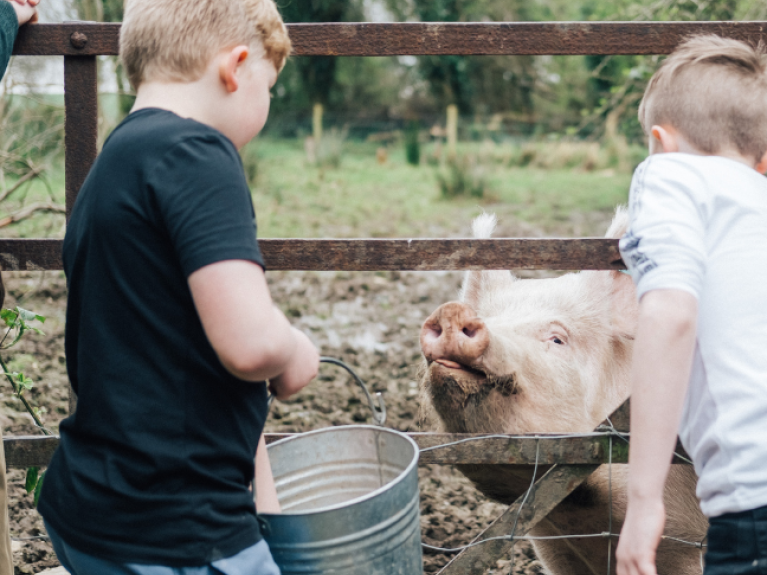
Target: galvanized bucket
(350,503)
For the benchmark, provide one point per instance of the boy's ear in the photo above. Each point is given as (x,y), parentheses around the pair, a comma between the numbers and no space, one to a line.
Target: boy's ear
(228,67)
(666,137)
(761,164)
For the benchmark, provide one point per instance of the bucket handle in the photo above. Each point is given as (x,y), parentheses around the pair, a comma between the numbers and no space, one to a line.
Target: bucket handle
(379,410)
(378,407)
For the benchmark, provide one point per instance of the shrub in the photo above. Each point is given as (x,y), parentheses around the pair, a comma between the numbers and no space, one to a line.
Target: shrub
(412,145)
(462,176)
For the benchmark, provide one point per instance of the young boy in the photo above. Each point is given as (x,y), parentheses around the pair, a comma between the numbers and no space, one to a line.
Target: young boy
(171,331)
(13,13)
(697,250)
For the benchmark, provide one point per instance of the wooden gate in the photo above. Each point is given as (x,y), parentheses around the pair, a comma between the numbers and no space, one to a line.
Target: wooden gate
(573,458)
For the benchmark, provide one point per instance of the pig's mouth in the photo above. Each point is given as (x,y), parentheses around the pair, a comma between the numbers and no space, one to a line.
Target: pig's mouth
(454,365)
(470,381)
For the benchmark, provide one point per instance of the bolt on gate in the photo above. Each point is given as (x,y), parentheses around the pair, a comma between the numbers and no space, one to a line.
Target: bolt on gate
(569,459)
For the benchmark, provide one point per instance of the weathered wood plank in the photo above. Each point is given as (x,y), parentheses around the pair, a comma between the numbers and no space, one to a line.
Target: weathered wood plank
(29,451)
(415,38)
(442,254)
(25,451)
(381,254)
(30,254)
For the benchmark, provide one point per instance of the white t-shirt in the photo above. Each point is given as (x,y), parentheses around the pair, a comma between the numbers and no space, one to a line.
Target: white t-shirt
(699,224)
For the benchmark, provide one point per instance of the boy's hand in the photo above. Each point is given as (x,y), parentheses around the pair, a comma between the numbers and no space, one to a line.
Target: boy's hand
(639,538)
(301,370)
(26,10)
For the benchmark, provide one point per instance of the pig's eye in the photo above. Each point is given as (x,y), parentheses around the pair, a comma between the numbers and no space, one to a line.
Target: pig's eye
(556,339)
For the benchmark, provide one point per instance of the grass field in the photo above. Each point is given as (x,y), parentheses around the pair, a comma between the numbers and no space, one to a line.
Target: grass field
(364,198)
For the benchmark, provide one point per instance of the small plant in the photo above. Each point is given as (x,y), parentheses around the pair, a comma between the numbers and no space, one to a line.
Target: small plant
(462,176)
(17,321)
(412,145)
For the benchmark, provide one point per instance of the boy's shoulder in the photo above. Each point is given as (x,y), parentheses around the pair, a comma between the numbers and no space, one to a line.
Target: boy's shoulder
(152,128)
(151,138)
(694,175)
(671,165)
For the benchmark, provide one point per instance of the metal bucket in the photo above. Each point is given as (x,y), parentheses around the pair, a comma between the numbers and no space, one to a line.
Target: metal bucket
(350,503)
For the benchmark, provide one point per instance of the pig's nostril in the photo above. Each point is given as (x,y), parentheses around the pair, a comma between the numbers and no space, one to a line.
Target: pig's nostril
(469,332)
(434,330)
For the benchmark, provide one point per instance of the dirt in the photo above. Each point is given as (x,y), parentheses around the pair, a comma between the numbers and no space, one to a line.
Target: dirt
(369,320)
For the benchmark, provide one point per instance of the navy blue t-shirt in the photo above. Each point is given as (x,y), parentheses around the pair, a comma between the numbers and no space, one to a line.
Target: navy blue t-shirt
(154,465)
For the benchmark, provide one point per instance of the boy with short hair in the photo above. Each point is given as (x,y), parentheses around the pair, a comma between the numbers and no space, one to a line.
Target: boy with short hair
(171,331)
(697,250)
(13,13)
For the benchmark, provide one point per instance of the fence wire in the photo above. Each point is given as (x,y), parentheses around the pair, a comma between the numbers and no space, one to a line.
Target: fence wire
(601,431)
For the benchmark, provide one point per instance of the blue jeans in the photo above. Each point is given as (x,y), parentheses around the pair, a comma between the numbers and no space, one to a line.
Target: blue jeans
(255,560)
(737,544)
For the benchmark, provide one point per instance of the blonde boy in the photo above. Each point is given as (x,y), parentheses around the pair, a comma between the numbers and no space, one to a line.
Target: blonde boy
(697,250)
(171,331)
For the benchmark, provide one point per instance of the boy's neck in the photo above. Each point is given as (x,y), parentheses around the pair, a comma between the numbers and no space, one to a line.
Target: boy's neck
(194,100)
(730,154)
(666,139)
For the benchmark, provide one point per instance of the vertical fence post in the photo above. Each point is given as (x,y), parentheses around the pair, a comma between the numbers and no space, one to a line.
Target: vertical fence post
(80,131)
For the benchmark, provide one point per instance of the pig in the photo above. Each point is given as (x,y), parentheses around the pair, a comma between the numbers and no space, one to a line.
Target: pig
(550,355)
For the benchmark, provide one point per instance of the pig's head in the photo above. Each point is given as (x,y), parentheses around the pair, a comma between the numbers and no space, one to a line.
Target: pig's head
(538,355)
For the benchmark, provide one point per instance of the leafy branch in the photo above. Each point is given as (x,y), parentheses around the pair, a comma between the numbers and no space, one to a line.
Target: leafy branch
(17,321)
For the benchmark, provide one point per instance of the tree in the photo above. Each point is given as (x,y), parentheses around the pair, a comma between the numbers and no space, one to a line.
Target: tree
(318,73)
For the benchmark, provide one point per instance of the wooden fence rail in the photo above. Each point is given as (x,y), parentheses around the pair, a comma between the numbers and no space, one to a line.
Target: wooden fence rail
(463,448)
(413,39)
(378,255)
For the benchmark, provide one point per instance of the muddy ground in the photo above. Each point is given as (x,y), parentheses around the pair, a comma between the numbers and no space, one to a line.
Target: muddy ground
(370,320)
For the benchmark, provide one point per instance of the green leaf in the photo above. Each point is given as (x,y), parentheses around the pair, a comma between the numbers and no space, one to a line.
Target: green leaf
(8,316)
(38,489)
(27,315)
(33,477)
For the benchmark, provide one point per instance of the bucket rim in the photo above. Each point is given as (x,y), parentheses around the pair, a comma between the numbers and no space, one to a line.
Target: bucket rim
(401,477)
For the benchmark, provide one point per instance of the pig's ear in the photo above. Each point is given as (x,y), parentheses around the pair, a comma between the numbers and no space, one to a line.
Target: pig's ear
(479,286)
(624,307)
(620,223)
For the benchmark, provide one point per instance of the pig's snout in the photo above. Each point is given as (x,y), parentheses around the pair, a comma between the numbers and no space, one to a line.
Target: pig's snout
(454,334)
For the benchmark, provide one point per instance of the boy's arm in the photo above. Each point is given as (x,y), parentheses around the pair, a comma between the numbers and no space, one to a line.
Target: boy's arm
(9,25)
(252,338)
(663,352)
(13,13)
(266,492)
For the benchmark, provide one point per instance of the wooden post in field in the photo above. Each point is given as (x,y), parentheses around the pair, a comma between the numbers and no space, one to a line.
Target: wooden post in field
(452,130)
(317,123)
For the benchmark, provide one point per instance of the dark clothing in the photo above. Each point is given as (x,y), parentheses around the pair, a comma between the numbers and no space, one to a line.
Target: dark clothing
(154,465)
(254,560)
(9,26)
(737,544)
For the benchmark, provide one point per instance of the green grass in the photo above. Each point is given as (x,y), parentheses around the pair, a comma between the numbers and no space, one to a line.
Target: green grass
(364,199)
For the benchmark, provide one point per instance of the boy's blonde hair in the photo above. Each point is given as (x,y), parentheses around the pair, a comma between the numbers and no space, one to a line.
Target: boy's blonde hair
(714,91)
(175,40)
